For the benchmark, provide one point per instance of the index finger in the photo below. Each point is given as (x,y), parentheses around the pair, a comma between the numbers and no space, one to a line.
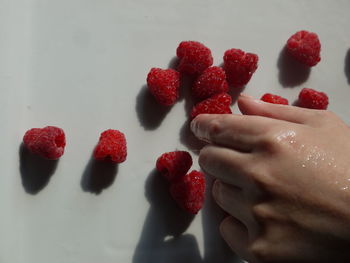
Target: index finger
(241,132)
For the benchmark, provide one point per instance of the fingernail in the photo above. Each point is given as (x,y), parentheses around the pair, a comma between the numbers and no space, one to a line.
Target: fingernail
(193,126)
(243,95)
(200,134)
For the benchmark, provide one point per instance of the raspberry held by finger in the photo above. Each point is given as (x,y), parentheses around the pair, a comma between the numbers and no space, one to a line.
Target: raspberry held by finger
(218,104)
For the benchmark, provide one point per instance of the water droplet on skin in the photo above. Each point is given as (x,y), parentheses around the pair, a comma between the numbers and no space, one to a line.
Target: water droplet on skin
(329,164)
(285,135)
(303,165)
(345,188)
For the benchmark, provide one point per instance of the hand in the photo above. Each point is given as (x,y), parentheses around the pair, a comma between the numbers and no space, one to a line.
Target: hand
(283,176)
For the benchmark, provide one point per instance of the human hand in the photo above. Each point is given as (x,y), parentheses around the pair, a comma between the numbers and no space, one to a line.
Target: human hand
(283,176)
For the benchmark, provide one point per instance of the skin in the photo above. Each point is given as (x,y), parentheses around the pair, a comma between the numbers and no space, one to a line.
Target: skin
(283,176)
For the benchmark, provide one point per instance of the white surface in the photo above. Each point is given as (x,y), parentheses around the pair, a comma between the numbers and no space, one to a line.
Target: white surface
(80,65)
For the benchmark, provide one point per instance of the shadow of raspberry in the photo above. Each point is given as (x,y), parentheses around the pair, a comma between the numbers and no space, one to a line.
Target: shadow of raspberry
(235,91)
(35,170)
(173,63)
(162,238)
(295,103)
(347,66)
(186,136)
(98,175)
(291,72)
(149,112)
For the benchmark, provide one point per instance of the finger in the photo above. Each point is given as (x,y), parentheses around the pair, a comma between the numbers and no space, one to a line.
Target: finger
(230,130)
(251,106)
(228,165)
(232,200)
(236,236)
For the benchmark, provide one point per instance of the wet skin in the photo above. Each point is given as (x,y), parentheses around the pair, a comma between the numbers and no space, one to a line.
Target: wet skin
(283,176)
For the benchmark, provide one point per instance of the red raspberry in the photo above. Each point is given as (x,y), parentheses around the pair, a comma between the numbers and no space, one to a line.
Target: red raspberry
(173,165)
(305,47)
(48,142)
(211,82)
(239,66)
(164,84)
(312,99)
(188,191)
(111,147)
(218,104)
(275,99)
(194,57)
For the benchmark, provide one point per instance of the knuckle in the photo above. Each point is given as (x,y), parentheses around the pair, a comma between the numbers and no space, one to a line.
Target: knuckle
(270,143)
(218,125)
(280,139)
(263,179)
(262,212)
(214,127)
(260,250)
(252,172)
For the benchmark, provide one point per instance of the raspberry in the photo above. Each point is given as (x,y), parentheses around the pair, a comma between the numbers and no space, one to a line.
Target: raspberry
(218,104)
(188,191)
(305,47)
(173,165)
(275,99)
(48,142)
(239,66)
(111,147)
(194,57)
(164,84)
(211,82)
(312,99)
